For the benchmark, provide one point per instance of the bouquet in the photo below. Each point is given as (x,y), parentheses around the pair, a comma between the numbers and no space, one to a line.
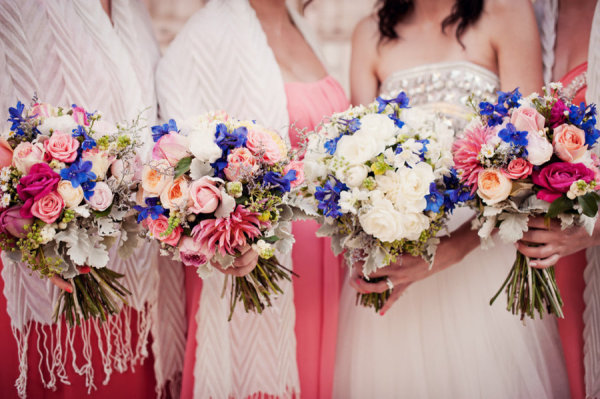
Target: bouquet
(65,192)
(530,156)
(380,179)
(216,186)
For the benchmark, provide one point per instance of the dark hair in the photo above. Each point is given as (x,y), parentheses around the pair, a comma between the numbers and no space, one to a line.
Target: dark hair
(392,12)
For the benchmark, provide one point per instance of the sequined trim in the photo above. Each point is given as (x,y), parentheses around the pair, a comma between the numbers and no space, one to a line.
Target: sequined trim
(579,82)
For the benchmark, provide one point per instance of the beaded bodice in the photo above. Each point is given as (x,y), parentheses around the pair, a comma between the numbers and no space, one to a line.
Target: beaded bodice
(444,87)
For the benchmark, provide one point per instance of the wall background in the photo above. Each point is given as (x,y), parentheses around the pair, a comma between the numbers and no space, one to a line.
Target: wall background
(332,20)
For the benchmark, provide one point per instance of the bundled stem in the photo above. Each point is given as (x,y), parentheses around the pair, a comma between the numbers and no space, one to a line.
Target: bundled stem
(531,290)
(256,289)
(373,300)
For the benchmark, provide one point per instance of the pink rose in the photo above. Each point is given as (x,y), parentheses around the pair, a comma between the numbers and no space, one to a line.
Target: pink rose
(102,197)
(557,114)
(26,155)
(172,147)
(556,179)
(40,181)
(518,168)
(48,208)
(190,252)
(6,154)
(205,195)
(158,227)
(11,222)
(62,147)
(42,110)
(266,144)
(80,116)
(539,149)
(127,170)
(298,166)
(240,164)
(569,142)
(101,161)
(527,119)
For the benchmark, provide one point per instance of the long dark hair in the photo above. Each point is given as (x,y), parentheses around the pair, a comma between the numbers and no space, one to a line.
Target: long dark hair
(392,12)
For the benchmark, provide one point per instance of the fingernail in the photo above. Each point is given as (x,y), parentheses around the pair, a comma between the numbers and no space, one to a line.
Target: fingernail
(382,313)
(533,264)
(69,289)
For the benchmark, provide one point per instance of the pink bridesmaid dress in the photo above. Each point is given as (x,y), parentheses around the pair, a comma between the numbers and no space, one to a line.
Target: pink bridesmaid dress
(317,291)
(569,273)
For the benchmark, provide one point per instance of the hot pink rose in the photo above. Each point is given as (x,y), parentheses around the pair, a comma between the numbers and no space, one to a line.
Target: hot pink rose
(80,116)
(172,147)
(556,179)
(6,154)
(11,222)
(102,197)
(26,155)
(159,226)
(240,164)
(569,142)
(527,119)
(42,110)
(298,166)
(205,195)
(557,114)
(48,208)
(190,252)
(62,147)
(518,168)
(40,181)
(266,144)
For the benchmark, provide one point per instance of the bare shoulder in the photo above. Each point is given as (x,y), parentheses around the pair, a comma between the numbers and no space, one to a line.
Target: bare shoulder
(366,32)
(505,14)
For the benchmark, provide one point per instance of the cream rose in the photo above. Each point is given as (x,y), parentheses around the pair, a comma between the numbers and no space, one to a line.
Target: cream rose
(493,186)
(71,196)
(353,175)
(379,126)
(26,155)
(358,149)
(539,150)
(407,187)
(413,225)
(382,221)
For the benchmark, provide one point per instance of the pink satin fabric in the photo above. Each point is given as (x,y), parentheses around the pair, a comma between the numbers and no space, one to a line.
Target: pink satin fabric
(569,276)
(317,290)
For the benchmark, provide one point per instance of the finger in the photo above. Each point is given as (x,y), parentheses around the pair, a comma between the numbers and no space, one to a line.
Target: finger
(394,296)
(84,269)
(236,271)
(384,271)
(357,268)
(62,284)
(248,259)
(545,263)
(372,287)
(540,252)
(540,236)
(245,249)
(540,223)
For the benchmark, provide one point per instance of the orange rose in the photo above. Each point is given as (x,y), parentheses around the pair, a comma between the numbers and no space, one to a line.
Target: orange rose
(156,176)
(493,186)
(175,194)
(569,142)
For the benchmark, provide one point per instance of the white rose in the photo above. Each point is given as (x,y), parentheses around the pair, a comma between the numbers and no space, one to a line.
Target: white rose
(313,170)
(380,127)
(358,149)
(539,150)
(71,196)
(203,146)
(407,187)
(413,225)
(382,221)
(63,123)
(415,121)
(353,175)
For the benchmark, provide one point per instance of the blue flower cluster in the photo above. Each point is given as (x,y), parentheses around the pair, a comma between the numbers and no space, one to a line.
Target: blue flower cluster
(227,141)
(352,126)
(496,112)
(585,118)
(452,194)
(279,182)
(154,209)
(16,117)
(80,174)
(160,130)
(517,138)
(88,143)
(329,197)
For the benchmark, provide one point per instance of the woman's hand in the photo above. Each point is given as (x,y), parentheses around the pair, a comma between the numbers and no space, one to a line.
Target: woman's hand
(545,245)
(63,284)
(243,264)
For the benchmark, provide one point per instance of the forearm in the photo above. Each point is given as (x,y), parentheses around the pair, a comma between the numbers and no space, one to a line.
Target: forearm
(454,248)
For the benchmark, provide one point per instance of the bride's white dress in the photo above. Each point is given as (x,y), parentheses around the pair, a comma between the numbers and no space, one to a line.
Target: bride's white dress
(442,339)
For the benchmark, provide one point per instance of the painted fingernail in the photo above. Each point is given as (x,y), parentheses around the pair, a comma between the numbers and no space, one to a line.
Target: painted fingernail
(382,313)
(69,289)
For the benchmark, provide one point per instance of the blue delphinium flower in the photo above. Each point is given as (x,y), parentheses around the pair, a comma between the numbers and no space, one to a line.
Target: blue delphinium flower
(153,210)
(435,199)
(585,118)
(511,135)
(78,173)
(425,143)
(454,191)
(88,143)
(495,112)
(160,130)
(16,115)
(331,145)
(396,120)
(278,182)
(88,189)
(486,108)
(229,140)
(329,197)
(401,100)
(353,125)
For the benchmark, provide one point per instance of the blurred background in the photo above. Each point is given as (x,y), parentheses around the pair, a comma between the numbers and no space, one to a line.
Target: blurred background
(332,20)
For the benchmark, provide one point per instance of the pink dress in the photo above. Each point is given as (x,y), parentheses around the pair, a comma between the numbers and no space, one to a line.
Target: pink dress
(317,291)
(569,273)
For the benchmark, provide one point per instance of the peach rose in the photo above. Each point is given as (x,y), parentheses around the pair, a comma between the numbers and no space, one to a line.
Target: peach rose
(172,147)
(101,161)
(266,144)
(493,186)
(48,208)
(71,196)
(102,197)
(205,195)
(156,176)
(518,168)
(569,142)
(527,119)
(298,166)
(240,163)
(62,147)
(26,155)
(6,154)
(158,227)
(175,194)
